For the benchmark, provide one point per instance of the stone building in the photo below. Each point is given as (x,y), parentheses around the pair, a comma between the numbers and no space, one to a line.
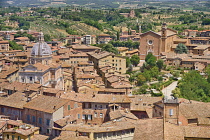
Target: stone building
(89,39)
(40,68)
(131,14)
(4,45)
(103,58)
(96,107)
(43,111)
(155,43)
(104,39)
(20,131)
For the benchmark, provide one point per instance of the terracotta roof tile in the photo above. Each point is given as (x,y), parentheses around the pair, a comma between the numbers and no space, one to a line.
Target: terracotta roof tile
(100,98)
(21,131)
(195,110)
(100,54)
(70,135)
(22,38)
(46,103)
(149,129)
(16,100)
(121,114)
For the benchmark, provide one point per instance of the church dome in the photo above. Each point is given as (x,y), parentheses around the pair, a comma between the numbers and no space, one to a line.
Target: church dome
(41,48)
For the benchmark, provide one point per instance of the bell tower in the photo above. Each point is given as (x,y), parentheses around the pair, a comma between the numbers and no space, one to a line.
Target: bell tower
(171,110)
(163,37)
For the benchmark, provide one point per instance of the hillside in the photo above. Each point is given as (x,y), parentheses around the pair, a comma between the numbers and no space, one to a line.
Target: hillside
(56,31)
(103,4)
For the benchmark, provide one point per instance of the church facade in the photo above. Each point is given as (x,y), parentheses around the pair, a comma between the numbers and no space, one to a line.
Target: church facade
(40,68)
(156,43)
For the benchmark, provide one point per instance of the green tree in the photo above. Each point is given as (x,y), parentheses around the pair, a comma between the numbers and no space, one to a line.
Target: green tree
(147,75)
(24,34)
(194,87)
(128,62)
(13,45)
(143,89)
(141,79)
(150,60)
(135,45)
(176,92)
(175,73)
(135,60)
(154,72)
(160,78)
(118,36)
(206,21)
(109,48)
(47,37)
(159,64)
(207,71)
(181,48)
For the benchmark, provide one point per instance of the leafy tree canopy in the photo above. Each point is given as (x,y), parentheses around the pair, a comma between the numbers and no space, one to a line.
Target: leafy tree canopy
(159,64)
(150,60)
(128,62)
(135,60)
(24,34)
(141,79)
(108,47)
(206,21)
(181,48)
(129,44)
(13,45)
(47,37)
(194,87)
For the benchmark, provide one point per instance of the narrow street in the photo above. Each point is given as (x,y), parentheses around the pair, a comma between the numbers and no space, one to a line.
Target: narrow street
(167,91)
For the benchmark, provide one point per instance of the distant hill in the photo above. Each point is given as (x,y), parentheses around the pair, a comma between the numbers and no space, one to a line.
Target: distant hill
(86,3)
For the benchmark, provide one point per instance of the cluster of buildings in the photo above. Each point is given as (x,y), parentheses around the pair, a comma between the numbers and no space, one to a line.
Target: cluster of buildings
(162,44)
(91,116)
(100,39)
(48,87)
(49,91)
(131,14)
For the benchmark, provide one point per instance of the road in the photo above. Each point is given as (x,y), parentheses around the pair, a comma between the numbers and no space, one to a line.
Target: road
(167,91)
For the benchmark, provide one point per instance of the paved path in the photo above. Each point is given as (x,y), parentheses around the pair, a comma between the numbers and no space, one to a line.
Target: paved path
(167,91)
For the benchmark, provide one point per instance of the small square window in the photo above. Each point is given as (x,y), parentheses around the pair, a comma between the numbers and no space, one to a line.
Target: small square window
(101,115)
(95,114)
(83,116)
(33,119)
(48,122)
(40,120)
